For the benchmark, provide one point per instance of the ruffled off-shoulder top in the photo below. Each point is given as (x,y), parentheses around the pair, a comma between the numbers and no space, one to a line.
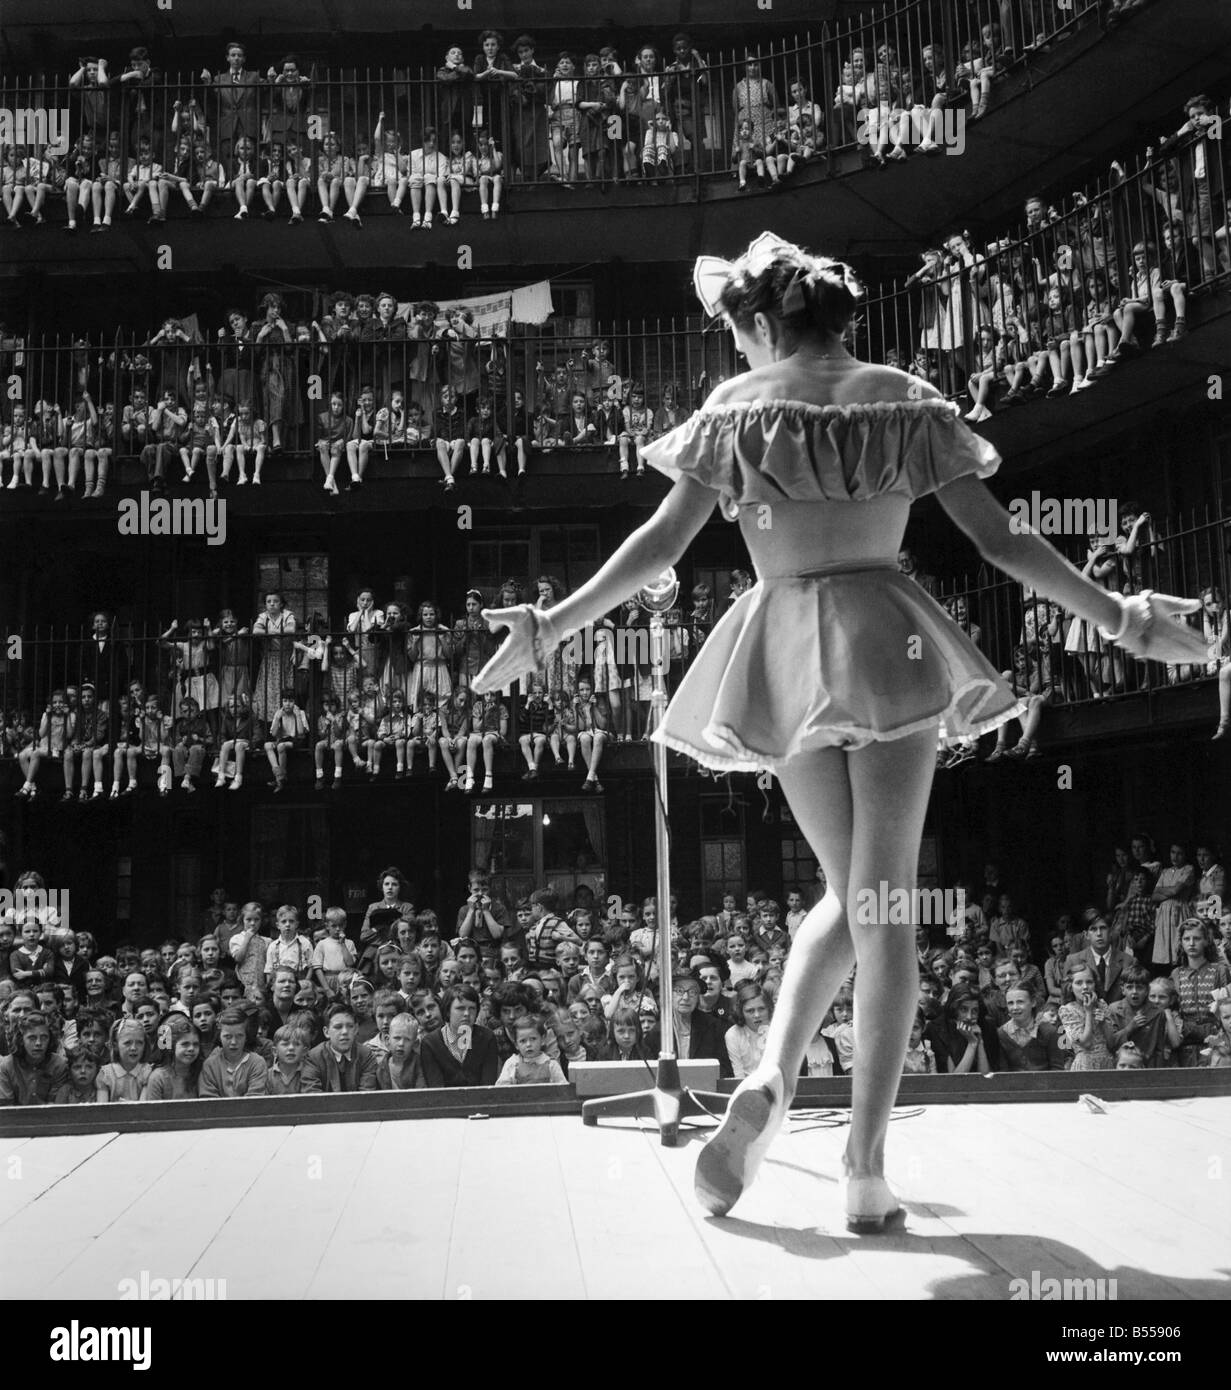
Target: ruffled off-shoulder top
(754,452)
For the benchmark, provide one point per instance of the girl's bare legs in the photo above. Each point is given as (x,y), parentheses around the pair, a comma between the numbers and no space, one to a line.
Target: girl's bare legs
(1077,345)
(1224,700)
(863,815)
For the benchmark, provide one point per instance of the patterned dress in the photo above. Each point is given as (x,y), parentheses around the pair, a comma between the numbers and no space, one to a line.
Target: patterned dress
(1172,912)
(1095,1058)
(1196,986)
(277,667)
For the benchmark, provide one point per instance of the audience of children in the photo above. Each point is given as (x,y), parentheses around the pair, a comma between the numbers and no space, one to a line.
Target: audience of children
(419,1009)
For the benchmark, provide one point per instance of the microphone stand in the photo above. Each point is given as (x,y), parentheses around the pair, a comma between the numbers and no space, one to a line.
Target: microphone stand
(667,1104)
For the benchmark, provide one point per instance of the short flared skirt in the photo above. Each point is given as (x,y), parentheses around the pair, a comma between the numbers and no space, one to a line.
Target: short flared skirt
(832,660)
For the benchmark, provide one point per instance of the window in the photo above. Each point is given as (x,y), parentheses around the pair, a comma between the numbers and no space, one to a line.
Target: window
(124,889)
(722,851)
(569,552)
(186,891)
(290,854)
(798,861)
(523,844)
(302,580)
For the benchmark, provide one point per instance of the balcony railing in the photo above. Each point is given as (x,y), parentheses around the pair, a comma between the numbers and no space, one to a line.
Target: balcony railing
(597,122)
(232,673)
(1053,654)
(1044,302)
(1037,643)
(1043,307)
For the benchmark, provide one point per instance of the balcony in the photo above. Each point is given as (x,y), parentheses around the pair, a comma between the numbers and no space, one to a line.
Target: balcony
(1027,139)
(1096,695)
(1080,252)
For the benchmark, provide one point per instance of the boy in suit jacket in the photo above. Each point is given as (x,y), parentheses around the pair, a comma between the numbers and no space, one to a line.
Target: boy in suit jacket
(340,1063)
(1107,961)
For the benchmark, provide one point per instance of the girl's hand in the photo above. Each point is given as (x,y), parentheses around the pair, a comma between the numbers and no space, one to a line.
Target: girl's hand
(517,653)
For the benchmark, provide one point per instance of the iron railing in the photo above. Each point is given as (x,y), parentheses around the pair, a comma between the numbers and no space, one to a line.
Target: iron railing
(1038,308)
(855,84)
(1181,555)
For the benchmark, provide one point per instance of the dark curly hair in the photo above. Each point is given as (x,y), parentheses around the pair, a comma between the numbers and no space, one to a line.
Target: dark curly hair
(809,294)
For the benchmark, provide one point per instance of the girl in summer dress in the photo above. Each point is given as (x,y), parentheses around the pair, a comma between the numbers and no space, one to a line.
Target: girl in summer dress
(817,672)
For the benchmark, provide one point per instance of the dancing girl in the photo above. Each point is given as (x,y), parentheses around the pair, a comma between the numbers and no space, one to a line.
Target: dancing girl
(833,671)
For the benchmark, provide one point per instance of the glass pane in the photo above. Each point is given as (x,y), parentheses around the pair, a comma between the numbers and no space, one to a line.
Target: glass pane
(303,581)
(503,836)
(290,853)
(496,559)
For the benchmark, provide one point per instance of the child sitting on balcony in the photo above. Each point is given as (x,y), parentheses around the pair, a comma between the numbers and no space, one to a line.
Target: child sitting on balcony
(1173,284)
(461,175)
(425,729)
(154,743)
(393,731)
(193,737)
(778,147)
(245,435)
(297,175)
(144,178)
(485,439)
(660,151)
(579,424)
(748,154)
(1144,301)
(1099,331)
(82,431)
(982,380)
(17,450)
(638,429)
(449,431)
(490,165)
(362,435)
(546,426)
(390,167)
(49,437)
(288,729)
(331,726)
(201,441)
(803,139)
(333,171)
(390,428)
(335,432)
(669,413)
(1063,349)
(240,730)
(54,735)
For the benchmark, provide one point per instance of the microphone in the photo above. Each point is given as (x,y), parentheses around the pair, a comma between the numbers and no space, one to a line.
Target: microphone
(660,594)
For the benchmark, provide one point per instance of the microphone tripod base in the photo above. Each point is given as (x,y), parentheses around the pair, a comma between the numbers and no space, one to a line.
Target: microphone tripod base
(667,1104)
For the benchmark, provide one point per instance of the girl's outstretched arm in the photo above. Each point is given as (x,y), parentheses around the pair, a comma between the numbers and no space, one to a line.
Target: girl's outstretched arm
(1028,558)
(641,559)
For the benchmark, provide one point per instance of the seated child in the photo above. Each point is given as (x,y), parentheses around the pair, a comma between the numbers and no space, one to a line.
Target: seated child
(35,1070)
(842,1030)
(233,1069)
(81,1088)
(285,1077)
(180,1077)
(919,1060)
(530,1066)
(125,1079)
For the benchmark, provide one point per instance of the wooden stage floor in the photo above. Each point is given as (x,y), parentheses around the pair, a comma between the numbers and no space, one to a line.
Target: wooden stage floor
(542,1205)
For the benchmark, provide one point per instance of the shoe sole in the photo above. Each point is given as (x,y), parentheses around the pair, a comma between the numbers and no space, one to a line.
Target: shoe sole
(722,1176)
(874,1225)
